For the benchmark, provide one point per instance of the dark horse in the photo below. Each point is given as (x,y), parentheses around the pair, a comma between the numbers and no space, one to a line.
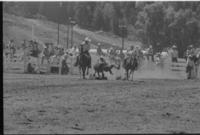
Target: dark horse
(130,64)
(83,62)
(101,68)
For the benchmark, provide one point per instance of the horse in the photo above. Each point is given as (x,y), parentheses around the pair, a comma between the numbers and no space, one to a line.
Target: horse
(130,64)
(83,63)
(100,68)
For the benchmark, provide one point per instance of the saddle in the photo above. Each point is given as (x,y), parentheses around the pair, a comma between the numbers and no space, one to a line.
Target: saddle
(85,54)
(131,60)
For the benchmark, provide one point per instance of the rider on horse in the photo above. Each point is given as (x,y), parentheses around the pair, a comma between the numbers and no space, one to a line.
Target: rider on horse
(134,53)
(130,52)
(84,48)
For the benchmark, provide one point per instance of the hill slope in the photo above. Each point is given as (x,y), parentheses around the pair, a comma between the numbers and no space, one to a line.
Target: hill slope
(19,28)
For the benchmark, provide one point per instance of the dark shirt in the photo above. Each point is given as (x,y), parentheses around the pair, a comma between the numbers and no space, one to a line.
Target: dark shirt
(35,53)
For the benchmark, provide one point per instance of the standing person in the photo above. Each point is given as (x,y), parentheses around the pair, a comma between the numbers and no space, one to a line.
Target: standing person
(190,51)
(150,53)
(23,44)
(190,67)
(99,50)
(174,54)
(46,53)
(12,49)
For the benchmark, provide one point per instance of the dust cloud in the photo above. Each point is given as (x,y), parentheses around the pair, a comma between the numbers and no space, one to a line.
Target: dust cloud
(150,70)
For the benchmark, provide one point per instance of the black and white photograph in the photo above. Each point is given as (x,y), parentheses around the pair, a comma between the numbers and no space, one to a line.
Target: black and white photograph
(96,67)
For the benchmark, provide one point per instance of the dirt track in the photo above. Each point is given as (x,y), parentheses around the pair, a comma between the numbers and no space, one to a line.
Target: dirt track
(67,104)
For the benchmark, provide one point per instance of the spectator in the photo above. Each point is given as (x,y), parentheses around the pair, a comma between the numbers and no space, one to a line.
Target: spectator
(174,54)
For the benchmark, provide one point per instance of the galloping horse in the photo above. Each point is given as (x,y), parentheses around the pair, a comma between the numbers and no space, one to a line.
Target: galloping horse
(130,64)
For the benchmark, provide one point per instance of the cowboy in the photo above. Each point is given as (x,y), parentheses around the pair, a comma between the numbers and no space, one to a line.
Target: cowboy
(111,51)
(84,48)
(190,51)
(150,53)
(131,50)
(174,54)
(102,61)
(137,52)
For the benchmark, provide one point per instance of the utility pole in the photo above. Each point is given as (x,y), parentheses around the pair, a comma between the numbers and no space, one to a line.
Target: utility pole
(58,34)
(72,23)
(32,31)
(68,28)
(60,5)
(123,35)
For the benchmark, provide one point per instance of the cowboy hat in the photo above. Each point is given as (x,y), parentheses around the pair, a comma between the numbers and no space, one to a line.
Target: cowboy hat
(191,46)
(87,39)
(82,43)
(99,44)
(190,56)
(174,46)
(59,46)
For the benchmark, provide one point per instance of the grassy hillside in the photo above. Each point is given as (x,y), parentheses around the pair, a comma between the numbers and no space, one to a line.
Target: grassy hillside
(19,28)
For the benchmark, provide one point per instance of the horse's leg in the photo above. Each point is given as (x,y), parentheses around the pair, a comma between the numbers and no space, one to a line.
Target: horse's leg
(132,74)
(103,76)
(98,74)
(83,70)
(127,75)
(189,74)
(94,73)
(110,71)
(87,70)
(80,71)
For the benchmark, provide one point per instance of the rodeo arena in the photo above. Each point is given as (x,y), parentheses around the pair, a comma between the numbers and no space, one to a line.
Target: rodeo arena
(77,64)
(95,86)
(48,58)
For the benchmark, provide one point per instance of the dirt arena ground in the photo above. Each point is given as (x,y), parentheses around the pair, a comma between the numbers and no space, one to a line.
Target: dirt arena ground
(53,104)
